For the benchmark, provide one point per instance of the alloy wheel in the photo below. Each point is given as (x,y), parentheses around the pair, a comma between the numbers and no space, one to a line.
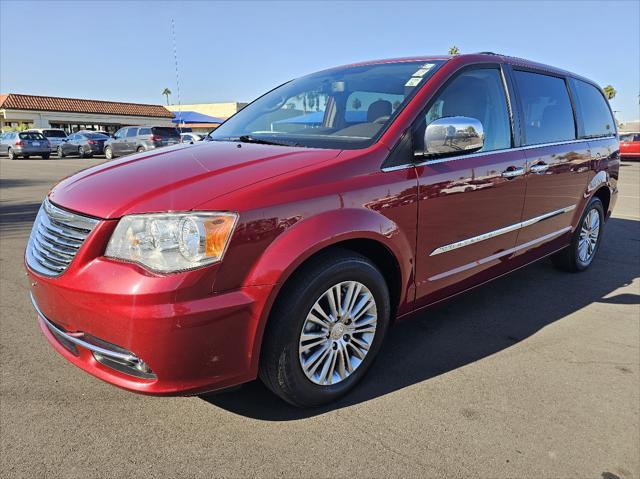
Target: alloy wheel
(589,234)
(338,333)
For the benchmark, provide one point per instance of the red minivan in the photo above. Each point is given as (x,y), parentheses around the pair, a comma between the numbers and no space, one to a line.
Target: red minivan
(325,210)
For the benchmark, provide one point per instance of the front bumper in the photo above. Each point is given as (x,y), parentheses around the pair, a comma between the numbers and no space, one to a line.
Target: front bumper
(190,344)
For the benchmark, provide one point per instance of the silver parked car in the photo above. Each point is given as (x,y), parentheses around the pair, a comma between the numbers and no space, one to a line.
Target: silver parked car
(24,144)
(55,136)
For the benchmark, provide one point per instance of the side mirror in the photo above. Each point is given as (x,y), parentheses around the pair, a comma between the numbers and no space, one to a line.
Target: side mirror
(453,135)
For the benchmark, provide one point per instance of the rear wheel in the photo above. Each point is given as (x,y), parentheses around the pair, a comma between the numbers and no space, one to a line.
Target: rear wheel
(81,152)
(12,155)
(108,153)
(45,156)
(585,241)
(140,149)
(325,330)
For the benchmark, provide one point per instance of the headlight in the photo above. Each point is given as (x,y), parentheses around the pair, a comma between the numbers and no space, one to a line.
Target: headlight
(171,242)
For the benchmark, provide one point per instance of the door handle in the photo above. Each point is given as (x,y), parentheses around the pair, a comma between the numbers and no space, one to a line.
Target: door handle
(539,168)
(513,172)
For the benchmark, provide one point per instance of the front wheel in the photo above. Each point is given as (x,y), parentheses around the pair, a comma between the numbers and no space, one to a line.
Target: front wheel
(81,152)
(46,156)
(325,330)
(585,241)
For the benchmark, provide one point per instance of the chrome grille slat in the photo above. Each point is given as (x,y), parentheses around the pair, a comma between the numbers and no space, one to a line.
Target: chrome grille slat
(60,240)
(56,238)
(51,250)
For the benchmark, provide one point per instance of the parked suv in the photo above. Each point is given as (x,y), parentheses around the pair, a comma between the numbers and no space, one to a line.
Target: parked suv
(137,139)
(285,250)
(24,144)
(54,135)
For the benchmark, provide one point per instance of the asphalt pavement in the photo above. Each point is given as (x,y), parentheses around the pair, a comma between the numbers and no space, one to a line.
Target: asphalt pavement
(534,375)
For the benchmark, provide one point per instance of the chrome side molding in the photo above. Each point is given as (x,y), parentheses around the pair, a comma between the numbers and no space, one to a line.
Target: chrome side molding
(501,231)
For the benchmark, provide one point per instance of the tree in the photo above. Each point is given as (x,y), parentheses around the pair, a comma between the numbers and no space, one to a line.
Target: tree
(356,103)
(609,92)
(454,50)
(166,92)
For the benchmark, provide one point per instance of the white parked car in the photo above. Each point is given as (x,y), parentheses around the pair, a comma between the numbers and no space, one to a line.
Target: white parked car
(190,137)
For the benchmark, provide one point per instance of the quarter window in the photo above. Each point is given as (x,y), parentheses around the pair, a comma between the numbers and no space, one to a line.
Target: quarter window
(593,110)
(548,116)
(476,94)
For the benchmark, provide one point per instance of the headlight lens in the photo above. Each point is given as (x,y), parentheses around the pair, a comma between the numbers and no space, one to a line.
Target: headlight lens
(171,242)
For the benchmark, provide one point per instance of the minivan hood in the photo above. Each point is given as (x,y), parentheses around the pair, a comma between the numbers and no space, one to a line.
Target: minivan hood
(178,178)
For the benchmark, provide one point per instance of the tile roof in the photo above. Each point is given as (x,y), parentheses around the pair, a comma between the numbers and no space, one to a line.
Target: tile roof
(15,101)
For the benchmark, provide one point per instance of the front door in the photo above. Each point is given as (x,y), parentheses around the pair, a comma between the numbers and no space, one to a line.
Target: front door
(470,206)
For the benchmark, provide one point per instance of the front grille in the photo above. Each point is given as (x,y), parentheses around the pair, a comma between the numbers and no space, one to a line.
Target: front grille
(56,237)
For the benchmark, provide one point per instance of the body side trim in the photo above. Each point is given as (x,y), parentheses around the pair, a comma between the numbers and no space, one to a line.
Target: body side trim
(501,231)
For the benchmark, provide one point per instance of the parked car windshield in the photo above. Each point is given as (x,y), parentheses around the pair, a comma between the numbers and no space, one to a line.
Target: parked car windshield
(346,108)
(165,132)
(54,134)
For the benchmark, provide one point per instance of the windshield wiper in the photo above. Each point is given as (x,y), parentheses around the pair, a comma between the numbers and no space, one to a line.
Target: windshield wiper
(260,141)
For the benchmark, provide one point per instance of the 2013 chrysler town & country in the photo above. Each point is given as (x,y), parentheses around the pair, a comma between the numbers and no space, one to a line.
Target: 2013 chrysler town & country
(317,215)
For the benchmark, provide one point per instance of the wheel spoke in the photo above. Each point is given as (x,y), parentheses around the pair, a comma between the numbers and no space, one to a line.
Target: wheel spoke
(337,333)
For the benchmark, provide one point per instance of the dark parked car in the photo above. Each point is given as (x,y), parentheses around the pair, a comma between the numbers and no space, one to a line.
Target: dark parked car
(24,144)
(134,139)
(287,254)
(83,144)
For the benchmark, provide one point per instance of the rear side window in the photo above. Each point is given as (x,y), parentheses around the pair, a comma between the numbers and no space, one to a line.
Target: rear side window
(132,132)
(144,131)
(548,116)
(166,132)
(592,110)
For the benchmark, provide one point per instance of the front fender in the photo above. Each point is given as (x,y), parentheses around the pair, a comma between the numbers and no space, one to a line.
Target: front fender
(305,238)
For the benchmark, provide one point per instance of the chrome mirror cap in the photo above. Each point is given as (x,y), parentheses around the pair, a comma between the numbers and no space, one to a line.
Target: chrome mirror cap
(453,135)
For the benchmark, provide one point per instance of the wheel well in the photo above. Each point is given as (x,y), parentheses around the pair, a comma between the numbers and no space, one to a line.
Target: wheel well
(605,196)
(379,255)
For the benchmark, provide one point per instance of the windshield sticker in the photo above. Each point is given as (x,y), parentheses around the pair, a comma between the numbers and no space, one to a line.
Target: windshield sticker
(413,81)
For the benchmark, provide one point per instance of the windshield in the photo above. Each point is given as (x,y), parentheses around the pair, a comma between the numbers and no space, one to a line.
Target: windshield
(54,133)
(165,132)
(345,108)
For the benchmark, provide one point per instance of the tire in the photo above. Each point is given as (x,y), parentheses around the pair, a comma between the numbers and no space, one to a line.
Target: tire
(81,152)
(61,152)
(11,154)
(108,153)
(585,241)
(281,359)
(26,157)
(46,156)
(140,149)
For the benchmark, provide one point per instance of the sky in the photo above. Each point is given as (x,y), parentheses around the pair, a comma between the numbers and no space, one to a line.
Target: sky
(235,51)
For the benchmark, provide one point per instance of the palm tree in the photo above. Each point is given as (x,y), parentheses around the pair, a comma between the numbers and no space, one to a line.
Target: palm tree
(166,92)
(609,92)
(454,50)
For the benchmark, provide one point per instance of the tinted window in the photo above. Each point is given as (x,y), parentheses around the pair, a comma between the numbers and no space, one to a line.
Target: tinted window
(31,135)
(54,134)
(476,94)
(548,116)
(144,131)
(96,136)
(166,132)
(132,132)
(593,110)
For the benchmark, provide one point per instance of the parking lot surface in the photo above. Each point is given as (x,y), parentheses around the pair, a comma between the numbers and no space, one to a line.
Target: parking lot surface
(534,375)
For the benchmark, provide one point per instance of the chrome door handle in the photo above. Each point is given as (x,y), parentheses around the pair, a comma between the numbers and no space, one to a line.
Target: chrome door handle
(513,173)
(539,168)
